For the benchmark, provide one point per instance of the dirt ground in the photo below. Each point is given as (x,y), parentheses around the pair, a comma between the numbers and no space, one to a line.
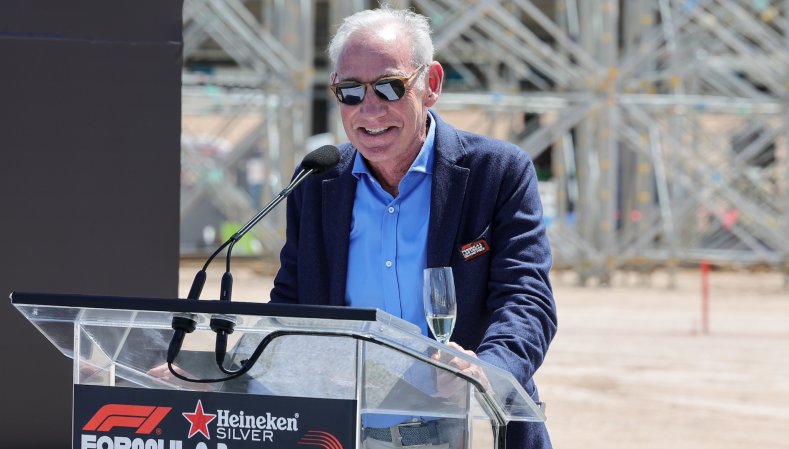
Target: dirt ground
(632,367)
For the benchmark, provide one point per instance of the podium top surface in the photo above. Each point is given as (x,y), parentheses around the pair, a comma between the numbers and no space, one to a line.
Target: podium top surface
(196,306)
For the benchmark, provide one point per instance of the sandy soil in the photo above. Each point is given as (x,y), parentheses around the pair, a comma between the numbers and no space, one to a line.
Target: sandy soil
(632,367)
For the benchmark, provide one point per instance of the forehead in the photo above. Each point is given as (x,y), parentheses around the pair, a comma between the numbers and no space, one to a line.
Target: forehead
(371,53)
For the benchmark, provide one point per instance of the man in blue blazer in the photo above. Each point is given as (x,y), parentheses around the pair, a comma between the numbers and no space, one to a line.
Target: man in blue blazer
(410,192)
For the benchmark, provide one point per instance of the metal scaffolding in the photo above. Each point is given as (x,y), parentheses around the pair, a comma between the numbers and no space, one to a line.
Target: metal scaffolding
(659,127)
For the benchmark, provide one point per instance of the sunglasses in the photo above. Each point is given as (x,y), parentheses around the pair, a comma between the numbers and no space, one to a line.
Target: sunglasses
(389,88)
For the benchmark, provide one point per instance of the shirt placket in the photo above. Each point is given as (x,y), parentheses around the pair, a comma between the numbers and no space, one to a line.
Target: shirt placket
(391,288)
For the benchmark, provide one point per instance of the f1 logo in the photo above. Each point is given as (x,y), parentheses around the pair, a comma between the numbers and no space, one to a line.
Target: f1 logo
(144,418)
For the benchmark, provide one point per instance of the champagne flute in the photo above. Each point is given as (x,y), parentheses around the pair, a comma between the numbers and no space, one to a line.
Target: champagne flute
(440,304)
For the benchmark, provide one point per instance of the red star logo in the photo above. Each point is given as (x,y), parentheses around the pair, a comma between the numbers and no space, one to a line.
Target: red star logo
(198,421)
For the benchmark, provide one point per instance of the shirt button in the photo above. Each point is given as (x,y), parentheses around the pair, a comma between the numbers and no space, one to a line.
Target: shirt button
(391,209)
(388,264)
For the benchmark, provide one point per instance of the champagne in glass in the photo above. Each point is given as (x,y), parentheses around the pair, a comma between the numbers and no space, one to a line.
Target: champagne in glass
(440,303)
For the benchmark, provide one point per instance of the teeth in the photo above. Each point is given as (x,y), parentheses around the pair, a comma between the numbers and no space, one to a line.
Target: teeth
(375,130)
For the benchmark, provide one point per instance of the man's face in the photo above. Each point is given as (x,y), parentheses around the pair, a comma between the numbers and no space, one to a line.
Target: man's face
(389,134)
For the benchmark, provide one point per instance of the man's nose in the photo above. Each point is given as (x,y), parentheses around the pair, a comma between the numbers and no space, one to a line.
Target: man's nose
(371,103)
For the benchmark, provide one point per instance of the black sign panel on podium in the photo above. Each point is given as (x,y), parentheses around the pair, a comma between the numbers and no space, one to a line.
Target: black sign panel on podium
(113,418)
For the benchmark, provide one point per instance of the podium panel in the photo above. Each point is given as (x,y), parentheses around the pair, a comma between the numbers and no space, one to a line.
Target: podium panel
(380,364)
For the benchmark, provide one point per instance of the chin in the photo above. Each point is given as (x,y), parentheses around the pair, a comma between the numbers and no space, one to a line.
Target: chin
(374,154)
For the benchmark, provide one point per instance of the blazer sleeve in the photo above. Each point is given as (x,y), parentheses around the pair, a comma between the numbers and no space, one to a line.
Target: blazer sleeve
(286,281)
(520,301)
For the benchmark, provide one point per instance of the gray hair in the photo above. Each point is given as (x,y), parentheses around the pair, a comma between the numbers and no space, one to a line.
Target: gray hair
(415,26)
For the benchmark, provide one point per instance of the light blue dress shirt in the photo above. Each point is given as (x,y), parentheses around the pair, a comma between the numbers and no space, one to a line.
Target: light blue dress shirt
(387,252)
(388,243)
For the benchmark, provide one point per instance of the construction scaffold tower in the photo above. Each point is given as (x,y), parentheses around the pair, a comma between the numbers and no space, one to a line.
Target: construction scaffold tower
(659,128)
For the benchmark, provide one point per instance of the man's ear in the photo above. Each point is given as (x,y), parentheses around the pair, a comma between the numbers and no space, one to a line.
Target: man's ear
(435,80)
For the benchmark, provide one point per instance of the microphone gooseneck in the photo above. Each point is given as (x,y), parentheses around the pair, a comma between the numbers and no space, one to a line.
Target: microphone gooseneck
(316,162)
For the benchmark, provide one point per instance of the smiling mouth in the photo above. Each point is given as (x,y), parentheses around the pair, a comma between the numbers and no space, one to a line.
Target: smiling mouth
(375,131)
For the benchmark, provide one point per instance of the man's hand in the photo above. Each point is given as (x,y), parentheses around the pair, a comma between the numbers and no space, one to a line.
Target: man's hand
(448,383)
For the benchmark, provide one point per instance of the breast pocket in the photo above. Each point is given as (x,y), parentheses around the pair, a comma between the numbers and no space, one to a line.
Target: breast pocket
(476,248)
(471,268)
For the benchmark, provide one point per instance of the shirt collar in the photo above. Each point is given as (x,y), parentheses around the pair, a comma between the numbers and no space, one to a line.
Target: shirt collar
(423,162)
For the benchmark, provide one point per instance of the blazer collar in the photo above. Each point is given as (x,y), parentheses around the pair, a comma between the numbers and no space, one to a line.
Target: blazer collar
(448,194)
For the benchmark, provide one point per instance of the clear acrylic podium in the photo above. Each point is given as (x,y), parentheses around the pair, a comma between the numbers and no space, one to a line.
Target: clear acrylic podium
(380,362)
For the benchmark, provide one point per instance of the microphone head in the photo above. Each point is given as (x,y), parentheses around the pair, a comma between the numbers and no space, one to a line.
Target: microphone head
(321,159)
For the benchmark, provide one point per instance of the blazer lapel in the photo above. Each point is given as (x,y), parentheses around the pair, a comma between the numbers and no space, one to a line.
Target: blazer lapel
(447,196)
(337,209)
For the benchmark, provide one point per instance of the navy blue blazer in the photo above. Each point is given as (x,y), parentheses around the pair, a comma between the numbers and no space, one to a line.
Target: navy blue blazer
(482,189)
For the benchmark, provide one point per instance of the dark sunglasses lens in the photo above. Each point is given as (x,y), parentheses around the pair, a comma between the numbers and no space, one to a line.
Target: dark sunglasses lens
(390,90)
(350,94)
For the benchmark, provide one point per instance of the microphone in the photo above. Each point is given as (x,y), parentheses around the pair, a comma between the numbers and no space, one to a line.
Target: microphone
(320,160)
(315,162)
